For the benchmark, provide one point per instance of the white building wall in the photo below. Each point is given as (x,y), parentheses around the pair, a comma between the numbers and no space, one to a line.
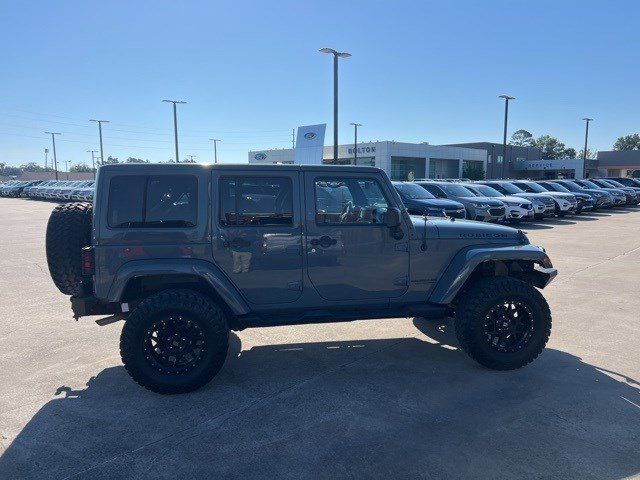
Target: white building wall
(382,153)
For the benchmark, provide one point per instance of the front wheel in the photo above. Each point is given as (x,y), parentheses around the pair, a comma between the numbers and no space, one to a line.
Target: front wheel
(503,323)
(175,341)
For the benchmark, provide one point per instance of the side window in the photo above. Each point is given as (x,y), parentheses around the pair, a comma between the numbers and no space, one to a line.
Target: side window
(349,201)
(160,201)
(172,201)
(126,200)
(256,201)
(433,189)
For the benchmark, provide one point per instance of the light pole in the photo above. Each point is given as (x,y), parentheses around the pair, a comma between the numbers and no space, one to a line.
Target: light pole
(215,149)
(504,138)
(335,54)
(175,124)
(66,163)
(100,122)
(55,159)
(93,162)
(586,142)
(355,142)
(46,159)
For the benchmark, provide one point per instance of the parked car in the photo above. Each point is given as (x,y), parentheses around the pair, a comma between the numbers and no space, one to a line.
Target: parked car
(630,192)
(626,181)
(16,189)
(517,208)
(565,203)
(139,257)
(420,201)
(479,208)
(543,205)
(585,201)
(619,197)
(601,198)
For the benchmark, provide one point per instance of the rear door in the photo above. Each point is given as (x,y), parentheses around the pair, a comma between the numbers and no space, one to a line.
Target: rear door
(257,230)
(351,253)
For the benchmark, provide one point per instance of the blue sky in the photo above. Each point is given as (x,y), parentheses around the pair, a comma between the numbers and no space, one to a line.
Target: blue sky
(251,71)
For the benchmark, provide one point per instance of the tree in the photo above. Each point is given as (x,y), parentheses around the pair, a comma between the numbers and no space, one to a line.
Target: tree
(81,167)
(109,161)
(32,167)
(627,142)
(188,160)
(591,155)
(135,160)
(473,170)
(570,153)
(522,138)
(551,147)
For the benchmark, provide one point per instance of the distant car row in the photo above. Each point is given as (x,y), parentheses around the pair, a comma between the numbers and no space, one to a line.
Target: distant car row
(515,200)
(60,190)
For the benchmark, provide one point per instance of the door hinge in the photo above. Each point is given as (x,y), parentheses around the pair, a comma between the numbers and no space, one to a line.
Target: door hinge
(401,281)
(402,247)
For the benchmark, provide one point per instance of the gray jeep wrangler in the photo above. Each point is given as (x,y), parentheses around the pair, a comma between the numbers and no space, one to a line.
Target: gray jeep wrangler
(184,253)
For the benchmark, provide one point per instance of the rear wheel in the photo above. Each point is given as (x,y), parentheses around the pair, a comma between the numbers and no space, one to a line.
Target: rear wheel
(175,341)
(503,323)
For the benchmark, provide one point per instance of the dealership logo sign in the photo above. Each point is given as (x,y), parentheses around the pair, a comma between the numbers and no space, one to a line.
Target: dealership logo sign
(260,156)
(310,135)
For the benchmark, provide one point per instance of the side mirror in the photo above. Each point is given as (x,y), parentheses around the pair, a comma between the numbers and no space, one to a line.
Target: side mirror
(393,217)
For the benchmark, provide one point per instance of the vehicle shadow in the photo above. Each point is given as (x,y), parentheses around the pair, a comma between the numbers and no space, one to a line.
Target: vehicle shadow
(535,225)
(396,407)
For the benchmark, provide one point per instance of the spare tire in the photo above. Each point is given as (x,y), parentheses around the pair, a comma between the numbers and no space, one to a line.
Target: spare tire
(68,231)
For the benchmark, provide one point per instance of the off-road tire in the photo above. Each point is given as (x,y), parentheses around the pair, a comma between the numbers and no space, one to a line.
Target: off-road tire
(202,310)
(473,308)
(68,231)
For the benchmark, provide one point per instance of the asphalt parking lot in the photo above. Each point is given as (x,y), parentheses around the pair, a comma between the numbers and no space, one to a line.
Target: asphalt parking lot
(382,398)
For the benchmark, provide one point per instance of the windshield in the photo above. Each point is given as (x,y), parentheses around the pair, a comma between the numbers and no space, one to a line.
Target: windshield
(456,190)
(531,187)
(558,188)
(571,186)
(589,184)
(510,188)
(413,191)
(484,191)
(613,183)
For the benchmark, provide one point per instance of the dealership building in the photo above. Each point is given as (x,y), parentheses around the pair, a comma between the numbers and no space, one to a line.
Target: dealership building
(401,161)
(618,163)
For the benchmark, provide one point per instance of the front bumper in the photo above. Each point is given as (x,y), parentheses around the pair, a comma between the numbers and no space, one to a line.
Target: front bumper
(491,214)
(516,212)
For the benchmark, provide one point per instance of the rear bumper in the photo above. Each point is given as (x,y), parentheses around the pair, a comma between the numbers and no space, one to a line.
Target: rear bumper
(84,306)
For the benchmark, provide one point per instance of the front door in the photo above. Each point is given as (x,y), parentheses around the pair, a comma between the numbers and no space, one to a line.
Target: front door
(257,237)
(351,253)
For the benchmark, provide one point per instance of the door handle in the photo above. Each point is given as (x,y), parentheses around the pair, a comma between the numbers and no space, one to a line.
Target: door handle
(324,241)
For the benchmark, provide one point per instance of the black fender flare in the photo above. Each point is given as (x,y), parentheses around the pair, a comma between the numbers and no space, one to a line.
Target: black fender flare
(466,260)
(179,266)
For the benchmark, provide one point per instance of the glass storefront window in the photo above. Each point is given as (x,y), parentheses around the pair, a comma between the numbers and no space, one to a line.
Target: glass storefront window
(408,168)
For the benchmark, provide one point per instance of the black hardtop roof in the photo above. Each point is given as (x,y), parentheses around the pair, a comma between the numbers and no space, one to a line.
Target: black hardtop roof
(162,167)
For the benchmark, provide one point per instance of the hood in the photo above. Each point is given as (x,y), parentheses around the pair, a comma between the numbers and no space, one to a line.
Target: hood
(515,198)
(437,202)
(472,232)
(566,196)
(492,202)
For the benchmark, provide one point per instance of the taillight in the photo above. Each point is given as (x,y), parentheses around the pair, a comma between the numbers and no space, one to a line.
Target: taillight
(87,261)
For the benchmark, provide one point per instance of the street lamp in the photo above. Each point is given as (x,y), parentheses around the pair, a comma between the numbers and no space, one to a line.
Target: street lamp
(335,54)
(504,138)
(586,141)
(93,162)
(175,124)
(355,141)
(55,159)
(215,149)
(100,122)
